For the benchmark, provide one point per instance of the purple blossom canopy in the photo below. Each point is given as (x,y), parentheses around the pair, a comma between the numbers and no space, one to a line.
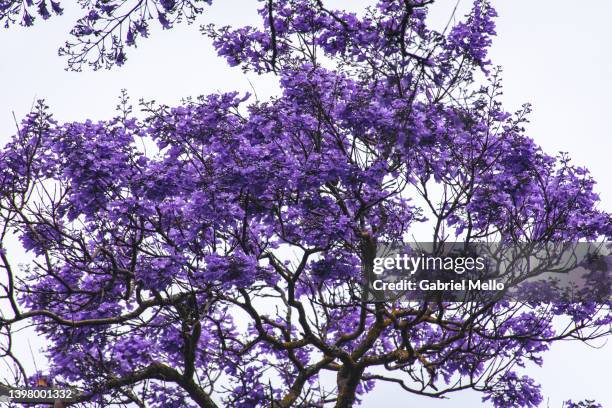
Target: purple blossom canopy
(210,254)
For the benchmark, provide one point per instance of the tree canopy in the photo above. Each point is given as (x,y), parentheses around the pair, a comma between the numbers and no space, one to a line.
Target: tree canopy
(208,254)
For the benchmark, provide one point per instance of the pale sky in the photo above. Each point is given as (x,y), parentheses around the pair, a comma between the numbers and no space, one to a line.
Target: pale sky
(556,54)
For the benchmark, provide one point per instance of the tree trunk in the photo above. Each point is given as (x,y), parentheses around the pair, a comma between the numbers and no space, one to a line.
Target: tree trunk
(348,379)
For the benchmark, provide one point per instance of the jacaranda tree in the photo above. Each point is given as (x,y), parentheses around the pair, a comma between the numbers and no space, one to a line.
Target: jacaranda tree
(210,254)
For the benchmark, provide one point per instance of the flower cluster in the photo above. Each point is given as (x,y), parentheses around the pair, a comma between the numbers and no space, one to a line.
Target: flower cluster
(218,246)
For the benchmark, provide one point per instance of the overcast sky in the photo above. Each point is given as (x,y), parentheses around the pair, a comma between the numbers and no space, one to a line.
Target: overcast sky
(555,54)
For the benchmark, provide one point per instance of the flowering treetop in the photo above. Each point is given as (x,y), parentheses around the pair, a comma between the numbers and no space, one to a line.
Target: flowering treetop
(209,254)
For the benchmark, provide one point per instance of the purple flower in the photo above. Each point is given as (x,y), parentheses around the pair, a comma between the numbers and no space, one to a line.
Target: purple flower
(215,250)
(42,10)
(163,20)
(57,9)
